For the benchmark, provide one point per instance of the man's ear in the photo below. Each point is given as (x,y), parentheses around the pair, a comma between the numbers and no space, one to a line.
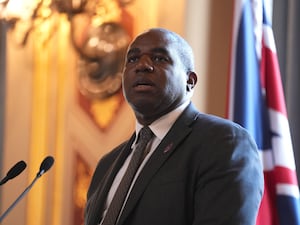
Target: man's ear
(192,80)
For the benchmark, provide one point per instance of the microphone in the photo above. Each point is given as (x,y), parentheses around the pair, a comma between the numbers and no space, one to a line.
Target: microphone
(14,171)
(44,167)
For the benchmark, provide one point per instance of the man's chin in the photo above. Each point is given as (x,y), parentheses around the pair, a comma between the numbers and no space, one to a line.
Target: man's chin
(143,106)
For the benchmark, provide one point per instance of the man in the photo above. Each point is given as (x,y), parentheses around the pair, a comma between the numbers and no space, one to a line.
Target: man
(199,169)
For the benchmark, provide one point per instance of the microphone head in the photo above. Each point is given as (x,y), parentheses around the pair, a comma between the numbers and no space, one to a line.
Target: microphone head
(16,170)
(13,172)
(45,165)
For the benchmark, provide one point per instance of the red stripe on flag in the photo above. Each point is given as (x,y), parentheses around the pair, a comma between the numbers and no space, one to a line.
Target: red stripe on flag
(285,175)
(267,213)
(271,81)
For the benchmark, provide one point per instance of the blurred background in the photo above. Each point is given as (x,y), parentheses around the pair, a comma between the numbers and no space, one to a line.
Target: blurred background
(60,90)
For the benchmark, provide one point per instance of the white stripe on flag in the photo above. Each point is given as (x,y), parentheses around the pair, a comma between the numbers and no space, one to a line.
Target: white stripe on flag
(269,38)
(267,159)
(281,141)
(288,189)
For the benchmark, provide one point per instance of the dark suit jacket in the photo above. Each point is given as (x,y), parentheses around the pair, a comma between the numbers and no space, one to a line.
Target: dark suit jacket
(205,171)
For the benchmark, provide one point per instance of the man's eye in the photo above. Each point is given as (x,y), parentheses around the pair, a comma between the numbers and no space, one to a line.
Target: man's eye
(132,59)
(159,58)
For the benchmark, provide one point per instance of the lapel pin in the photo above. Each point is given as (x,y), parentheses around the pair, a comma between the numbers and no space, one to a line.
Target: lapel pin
(168,148)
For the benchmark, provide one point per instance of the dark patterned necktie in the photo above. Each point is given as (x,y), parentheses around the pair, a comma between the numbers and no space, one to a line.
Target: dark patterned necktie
(117,202)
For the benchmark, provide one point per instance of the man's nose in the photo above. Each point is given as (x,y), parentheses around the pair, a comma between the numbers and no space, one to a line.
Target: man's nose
(145,64)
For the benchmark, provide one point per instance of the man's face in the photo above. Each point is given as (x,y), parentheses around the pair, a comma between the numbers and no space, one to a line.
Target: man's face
(154,79)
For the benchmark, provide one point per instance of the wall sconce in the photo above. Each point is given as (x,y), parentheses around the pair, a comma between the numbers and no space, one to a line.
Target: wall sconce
(102,53)
(70,7)
(96,34)
(12,10)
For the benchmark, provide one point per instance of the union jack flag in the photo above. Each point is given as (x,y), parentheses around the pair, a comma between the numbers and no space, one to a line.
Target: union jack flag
(256,101)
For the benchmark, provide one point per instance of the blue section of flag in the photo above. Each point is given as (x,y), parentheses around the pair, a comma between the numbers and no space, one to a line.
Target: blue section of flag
(266,19)
(249,105)
(288,210)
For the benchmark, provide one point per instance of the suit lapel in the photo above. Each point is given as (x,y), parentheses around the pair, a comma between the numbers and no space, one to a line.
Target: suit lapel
(168,145)
(98,199)
(115,167)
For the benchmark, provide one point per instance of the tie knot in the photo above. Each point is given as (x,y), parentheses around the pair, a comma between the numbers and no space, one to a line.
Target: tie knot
(145,134)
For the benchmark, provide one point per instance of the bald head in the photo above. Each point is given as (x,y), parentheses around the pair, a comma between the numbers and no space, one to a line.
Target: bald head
(183,48)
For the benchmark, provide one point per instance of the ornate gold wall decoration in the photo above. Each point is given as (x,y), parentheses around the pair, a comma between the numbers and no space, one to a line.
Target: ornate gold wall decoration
(102,52)
(82,179)
(102,48)
(101,111)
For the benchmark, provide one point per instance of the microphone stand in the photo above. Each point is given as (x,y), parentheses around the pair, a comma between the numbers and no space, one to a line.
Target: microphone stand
(45,166)
(19,198)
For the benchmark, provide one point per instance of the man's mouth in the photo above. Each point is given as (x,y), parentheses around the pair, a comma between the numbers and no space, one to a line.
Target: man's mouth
(143,85)
(143,82)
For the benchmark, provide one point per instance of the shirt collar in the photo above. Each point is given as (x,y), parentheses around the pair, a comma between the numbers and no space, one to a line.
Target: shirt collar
(162,125)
